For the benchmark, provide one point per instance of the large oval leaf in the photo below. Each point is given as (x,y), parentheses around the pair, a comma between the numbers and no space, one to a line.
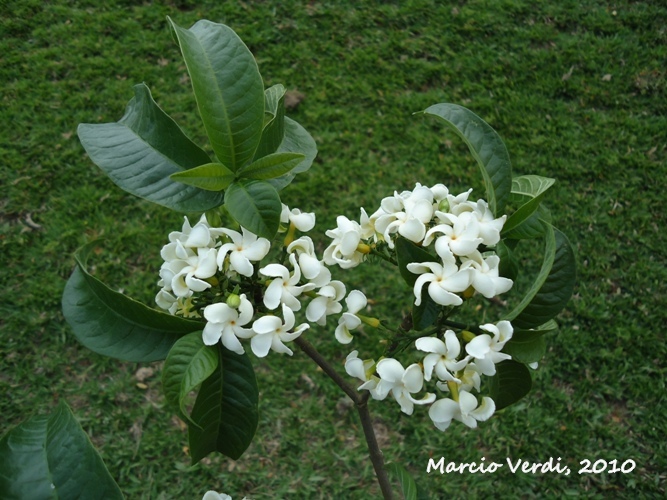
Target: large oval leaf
(486,147)
(228,89)
(114,325)
(532,187)
(553,286)
(50,456)
(143,149)
(226,409)
(188,364)
(211,177)
(511,382)
(296,139)
(255,205)
(271,166)
(529,346)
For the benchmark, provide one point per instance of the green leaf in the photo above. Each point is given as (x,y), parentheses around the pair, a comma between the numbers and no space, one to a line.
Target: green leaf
(274,121)
(529,346)
(50,456)
(509,265)
(228,89)
(533,187)
(511,382)
(407,252)
(486,147)
(425,314)
(142,150)
(211,177)
(553,286)
(296,140)
(226,409)
(188,364)
(255,205)
(408,486)
(111,324)
(271,166)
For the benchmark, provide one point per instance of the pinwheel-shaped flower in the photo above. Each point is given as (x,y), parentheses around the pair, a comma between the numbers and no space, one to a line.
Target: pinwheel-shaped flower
(188,275)
(444,281)
(343,249)
(242,250)
(271,332)
(460,234)
(407,214)
(442,357)
(285,288)
(312,268)
(303,221)
(226,323)
(485,274)
(402,383)
(355,301)
(466,410)
(326,303)
(364,370)
(486,349)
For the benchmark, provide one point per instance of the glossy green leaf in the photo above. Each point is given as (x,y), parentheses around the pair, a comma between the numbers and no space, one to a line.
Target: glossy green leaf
(50,456)
(486,147)
(509,265)
(511,382)
(226,409)
(274,121)
(143,149)
(408,486)
(114,325)
(530,229)
(296,140)
(211,177)
(228,89)
(255,205)
(271,166)
(529,346)
(533,187)
(188,364)
(553,286)
(425,314)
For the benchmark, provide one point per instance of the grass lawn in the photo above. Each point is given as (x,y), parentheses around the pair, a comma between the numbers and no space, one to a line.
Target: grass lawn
(578,91)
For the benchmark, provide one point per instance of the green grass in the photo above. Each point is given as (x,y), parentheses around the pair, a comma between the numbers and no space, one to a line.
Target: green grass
(578,91)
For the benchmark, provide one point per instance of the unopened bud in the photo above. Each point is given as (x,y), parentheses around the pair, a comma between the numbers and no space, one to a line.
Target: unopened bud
(233,301)
(363,248)
(467,336)
(469,292)
(374,322)
(443,206)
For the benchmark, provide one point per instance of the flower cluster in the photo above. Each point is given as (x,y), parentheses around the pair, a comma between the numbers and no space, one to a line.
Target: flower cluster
(216,273)
(462,234)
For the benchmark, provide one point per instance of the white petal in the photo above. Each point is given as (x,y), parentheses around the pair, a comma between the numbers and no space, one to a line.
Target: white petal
(390,370)
(431,344)
(240,264)
(230,341)
(413,378)
(479,347)
(211,333)
(273,294)
(267,325)
(485,410)
(261,344)
(355,301)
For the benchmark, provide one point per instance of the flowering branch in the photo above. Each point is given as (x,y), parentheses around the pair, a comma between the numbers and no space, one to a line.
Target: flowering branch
(361,403)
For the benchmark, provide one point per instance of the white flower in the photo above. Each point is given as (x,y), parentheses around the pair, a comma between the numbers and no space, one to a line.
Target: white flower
(200,236)
(460,234)
(442,357)
(193,271)
(407,214)
(271,332)
(312,268)
(444,281)
(355,301)
(443,411)
(214,495)
(489,228)
(401,382)
(243,249)
(486,350)
(363,370)
(303,221)
(327,303)
(225,323)
(343,249)
(285,288)
(485,275)
(166,300)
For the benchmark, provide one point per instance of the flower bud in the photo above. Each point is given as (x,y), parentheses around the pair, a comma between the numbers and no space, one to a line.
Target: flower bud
(233,301)
(443,206)
(467,336)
